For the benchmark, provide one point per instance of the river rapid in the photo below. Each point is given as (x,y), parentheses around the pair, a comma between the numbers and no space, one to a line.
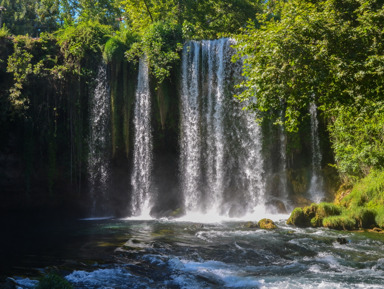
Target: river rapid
(126,253)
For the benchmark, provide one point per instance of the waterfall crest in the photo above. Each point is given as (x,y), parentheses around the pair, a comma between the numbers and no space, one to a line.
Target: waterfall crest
(141,180)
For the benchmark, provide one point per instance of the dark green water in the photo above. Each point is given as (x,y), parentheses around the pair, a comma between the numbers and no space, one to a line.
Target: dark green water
(170,254)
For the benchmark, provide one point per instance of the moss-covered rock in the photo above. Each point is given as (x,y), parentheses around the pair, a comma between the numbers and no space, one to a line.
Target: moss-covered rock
(297,218)
(365,218)
(339,222)
(313,215)
(324,210)
(267,224)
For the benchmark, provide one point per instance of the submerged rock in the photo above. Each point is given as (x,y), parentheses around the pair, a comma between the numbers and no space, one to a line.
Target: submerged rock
(249,225)
(267,224)
(195,227)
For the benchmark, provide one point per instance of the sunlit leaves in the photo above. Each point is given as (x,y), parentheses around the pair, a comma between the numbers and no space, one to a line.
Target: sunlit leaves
(324,51)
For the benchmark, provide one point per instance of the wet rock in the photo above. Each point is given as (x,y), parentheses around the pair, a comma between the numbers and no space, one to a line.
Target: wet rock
(195,227)
(9,283)
(249,225)
(342,241)
(267,224)
(277,206)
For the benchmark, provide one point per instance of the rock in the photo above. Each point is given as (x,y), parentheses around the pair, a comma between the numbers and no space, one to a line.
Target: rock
(10,283)
(342,241)
(302,217)
(195,227)
(377,230)
(267,224)
(249,225)
(301,201)
(277,206)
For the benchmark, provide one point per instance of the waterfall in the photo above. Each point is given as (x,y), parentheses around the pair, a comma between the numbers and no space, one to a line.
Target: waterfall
(190,126)
(142,151)
(99,143)
(316,185)
(221,161)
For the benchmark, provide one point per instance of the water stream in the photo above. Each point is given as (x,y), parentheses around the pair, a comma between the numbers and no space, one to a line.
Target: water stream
(175,254)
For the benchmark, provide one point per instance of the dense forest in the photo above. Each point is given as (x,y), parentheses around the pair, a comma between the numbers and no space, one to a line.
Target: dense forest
(295,53)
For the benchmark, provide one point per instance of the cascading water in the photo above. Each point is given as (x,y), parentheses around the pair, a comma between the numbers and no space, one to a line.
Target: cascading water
(221,161)
(283,164)
(190,126)
(142,159)
(316,186)
(99,144)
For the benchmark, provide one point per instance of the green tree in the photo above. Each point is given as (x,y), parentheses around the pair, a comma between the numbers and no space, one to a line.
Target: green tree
(30,16)
(200,19)
(103,11)
(328,52)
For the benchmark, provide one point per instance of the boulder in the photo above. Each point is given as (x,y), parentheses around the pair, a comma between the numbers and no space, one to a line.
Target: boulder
(267,224)
(302,217)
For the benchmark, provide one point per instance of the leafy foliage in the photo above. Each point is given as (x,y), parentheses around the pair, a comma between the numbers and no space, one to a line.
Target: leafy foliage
(200,19)
(326,52)
(30,16)
(160,45)
(358,137)
(82,41)
(117,45)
